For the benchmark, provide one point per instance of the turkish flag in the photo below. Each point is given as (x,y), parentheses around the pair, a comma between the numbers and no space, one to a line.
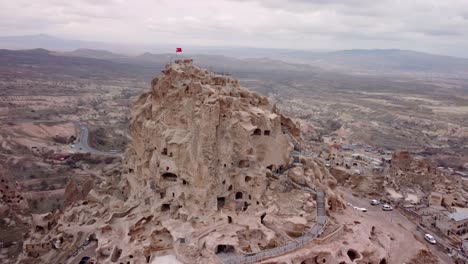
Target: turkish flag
(178,50)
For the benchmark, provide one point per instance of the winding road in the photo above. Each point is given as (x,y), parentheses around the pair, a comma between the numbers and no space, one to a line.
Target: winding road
(82,145)
(83,142)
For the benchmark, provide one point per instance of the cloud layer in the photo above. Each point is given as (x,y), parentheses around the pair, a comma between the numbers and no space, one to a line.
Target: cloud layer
(439,26)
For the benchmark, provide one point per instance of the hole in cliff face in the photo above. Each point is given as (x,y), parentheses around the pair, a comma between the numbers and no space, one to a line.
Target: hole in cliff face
(262,217)
(229,219)
(352,254)
(230,188)
(238,195)
(116,254)
(162,194)
(266,132)
(270,167)
(248,178)
(169,176)
(224,249)
(184,182)
(257,132)
(164,152)
(165,207)
(245,206)
(148,258)
(383,261)
(221,202)
(244,164)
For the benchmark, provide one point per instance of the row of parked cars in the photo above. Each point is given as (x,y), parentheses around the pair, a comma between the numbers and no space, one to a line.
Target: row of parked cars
(386,207)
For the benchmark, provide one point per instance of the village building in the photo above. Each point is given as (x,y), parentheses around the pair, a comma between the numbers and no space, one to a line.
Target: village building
(454,223)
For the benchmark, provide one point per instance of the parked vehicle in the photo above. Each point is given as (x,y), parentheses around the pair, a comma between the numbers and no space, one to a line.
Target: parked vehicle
(430,239)
(387,207)
(362,209)
(375,202)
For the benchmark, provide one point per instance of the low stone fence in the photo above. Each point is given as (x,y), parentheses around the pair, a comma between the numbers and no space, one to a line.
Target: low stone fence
(411,213)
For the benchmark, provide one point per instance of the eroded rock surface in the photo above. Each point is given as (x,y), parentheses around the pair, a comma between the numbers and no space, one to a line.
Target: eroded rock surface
(213,169)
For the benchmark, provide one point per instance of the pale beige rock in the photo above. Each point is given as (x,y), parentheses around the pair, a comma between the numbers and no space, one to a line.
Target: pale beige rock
(210,169)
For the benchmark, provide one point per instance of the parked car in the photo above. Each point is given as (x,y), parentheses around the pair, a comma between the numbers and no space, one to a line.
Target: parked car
(375,202)
(387,207)
(430,239)
(362,209)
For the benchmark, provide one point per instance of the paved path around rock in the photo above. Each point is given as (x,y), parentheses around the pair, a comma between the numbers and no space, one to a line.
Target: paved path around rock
(312,234)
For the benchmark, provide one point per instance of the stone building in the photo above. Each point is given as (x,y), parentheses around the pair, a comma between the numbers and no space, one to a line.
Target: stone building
(454,223)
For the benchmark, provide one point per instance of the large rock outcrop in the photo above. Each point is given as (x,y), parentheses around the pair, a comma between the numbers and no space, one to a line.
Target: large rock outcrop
(212,168)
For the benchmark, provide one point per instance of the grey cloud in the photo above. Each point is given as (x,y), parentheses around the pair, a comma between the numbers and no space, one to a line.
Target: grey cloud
(302,24)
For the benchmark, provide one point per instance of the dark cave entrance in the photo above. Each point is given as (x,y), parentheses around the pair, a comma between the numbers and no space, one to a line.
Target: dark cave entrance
(169,176)
(224,249)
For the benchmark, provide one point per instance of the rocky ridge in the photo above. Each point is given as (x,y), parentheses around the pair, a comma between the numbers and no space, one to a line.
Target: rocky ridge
(213,169)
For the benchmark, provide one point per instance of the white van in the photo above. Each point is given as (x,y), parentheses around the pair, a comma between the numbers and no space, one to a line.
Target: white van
(430,239)
(387,207)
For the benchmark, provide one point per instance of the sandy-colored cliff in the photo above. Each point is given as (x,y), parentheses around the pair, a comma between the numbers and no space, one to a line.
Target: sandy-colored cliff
(213,170)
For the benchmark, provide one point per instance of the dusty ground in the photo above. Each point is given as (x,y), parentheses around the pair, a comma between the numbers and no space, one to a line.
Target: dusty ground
(405,240)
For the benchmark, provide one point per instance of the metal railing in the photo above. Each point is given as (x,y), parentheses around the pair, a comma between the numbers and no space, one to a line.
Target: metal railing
(312,234)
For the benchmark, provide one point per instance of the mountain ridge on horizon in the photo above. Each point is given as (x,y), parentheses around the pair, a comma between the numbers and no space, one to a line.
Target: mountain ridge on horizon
(73,44)
(374,61)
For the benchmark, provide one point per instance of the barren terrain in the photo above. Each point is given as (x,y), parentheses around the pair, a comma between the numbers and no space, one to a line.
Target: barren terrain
(45,98)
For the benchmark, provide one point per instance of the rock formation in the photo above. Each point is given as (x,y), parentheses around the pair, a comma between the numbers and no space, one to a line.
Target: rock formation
(213,169)
(11,197)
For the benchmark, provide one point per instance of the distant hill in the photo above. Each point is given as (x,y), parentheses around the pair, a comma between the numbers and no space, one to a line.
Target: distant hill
(47,62)
(48,42)
(43,41)
(93,53)
(380,61)
(147,65)
(375,61)
(216,63)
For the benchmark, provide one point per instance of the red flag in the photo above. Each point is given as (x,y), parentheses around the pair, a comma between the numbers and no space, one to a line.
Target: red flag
(178,50)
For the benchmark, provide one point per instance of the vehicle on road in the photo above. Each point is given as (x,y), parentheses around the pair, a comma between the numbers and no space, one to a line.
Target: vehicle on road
(362,209)
(73,145)
(113,151)
(429,238)
(375,202)
(387,207)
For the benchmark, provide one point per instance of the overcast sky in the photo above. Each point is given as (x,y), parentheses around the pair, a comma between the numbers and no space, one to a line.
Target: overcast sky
(438,26)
